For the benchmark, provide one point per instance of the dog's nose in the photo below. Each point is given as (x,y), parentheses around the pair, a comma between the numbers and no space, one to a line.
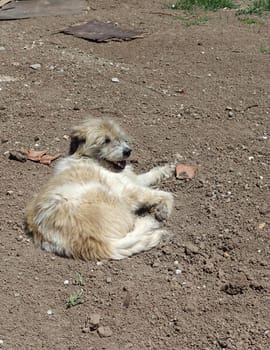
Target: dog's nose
(126,152)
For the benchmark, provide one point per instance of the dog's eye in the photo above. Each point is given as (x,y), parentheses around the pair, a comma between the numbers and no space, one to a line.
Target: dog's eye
(107,139)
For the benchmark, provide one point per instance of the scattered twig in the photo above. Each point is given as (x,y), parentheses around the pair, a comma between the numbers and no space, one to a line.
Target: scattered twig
(163,14)
(251,106)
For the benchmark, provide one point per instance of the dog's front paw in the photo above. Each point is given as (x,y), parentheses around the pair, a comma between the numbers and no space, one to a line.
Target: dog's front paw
(168,170)
(164,208)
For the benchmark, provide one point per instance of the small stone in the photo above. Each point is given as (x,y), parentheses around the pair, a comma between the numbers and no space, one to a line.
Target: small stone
(16,295)
(189,308)
(50,312)
(86,330)
(191,249)
(109,280)
(222,344)
(93,321)
(66,282)
(262,225)
(2,48)
(36,66)
(115,80)
(1,342)
(15,155)
(99,263)
(176,262)
(19,238)
(263,138)
(230,114)
(228,108)
(9,193)
(155,264)
(7,79)
(178,272)
(66,137)
(105,332)
(209,267)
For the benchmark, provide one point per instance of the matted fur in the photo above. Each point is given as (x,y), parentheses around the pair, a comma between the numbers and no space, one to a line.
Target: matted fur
(90,207)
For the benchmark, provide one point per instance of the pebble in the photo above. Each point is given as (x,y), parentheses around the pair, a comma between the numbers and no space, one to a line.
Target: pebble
(19,238)
(230,114)
(6,79)
(86,330)
(93,321)
(50,312)
(155,264)
(178,272)
(105,332)
(263,138)
(36,66)
(66,282)
(14,155)
(209,267)
(9,193)
(1,342)
(108,279)
(2,48)
(222,344)
(191,249)
(115,80)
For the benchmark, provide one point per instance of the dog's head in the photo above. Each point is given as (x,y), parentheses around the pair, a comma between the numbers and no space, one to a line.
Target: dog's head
(102,140)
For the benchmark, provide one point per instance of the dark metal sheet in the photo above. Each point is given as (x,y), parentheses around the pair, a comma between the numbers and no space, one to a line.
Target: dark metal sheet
(102,32)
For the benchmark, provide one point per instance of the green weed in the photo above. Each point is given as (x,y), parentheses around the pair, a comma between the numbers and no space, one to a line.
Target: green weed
(192,21)
(205,4)
(257,7)
(265,50)
(75,299)
(78,281)
(248,21)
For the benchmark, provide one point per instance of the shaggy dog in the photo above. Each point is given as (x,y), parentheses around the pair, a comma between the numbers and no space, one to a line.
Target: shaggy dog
(90,207)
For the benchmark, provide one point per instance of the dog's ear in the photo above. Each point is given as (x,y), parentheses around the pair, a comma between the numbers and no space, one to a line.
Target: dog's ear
(78,137)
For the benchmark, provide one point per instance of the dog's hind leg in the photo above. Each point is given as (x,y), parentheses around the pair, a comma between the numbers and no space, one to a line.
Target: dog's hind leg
(156,175)
(141,197)
(146,235)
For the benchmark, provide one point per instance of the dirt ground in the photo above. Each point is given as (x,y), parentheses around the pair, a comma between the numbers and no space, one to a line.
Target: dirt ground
(200,92)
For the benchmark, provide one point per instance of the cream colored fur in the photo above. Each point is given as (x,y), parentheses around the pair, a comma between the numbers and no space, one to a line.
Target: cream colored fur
(90,207)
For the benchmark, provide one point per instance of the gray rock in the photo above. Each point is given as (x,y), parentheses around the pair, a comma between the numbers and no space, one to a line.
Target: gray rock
(36,66)
(105,332)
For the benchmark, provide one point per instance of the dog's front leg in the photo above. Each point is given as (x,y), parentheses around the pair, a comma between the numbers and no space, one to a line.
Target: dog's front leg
(156,175)
(141,197)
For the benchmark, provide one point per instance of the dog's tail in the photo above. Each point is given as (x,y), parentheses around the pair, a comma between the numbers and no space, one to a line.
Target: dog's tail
(146,235)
